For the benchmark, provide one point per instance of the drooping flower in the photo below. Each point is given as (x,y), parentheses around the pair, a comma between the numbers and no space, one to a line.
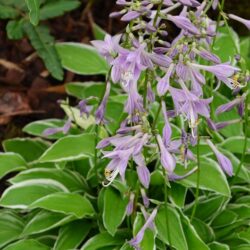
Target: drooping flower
(241,20)
(65,129)
(99,114)
(130,206)
(220,125)
(183,23)
(223,161)
(164,83)
(175,177)
(167,130)
(135,242)
(237,102)
(167,160)
(144,175)
(145,198)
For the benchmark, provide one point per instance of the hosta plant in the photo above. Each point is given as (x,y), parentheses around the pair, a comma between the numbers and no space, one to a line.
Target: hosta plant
(154,156)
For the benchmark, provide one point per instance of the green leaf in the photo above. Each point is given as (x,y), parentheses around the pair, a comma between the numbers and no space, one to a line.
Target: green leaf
(38,127)
(207,207)
(29,149)
(22,194)
(71,180)
(99,33)
(204,230)
(81,59)
(45,221)
(11,162)
(83,90)
(74,114)
(218,246)
(27,244)
(113,202)
(192,237)
(235,144)
(242,210)
(102,240)
(11,227)
(57,8)
(15,29)
(211,177)
(175,228)
(71,235)
(224,45)
(245,50)
(78,147)
(66,203)
(224,218)
(178,194)
(44,45)
(8,12)
(33,6)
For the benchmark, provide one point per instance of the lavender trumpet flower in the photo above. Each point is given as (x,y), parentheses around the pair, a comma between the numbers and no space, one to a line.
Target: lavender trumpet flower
(223,161)
(241,20)
(65,129)
(139,237)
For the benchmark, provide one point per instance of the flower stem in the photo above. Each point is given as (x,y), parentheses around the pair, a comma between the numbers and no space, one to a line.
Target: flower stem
(156,117)
(245,140)
(166,208)
(198,177)
(95,153)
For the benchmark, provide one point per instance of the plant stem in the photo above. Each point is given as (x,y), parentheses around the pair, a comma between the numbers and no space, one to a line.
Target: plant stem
(166,208)
(245,141)
(95,153)
(156,117)
(198,177)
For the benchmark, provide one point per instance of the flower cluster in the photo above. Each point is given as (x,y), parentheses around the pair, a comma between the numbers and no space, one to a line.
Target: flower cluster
(150,67)
(155,70)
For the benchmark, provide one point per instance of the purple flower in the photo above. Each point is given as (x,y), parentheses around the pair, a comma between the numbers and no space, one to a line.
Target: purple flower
(65,129)
(190,105)
(167,130)
(239,101)
(130,206)
(167,160)
(84,108)
(183,23)
(150,93)
(126,147)
(220,125)
(241,20)
(222,71)
(99,114)
(145,198)
(174,177)
(191,3)
(144,175)
(215,4)
(109,47)
(223,161)
(207,55)
(139,237)
(164,83)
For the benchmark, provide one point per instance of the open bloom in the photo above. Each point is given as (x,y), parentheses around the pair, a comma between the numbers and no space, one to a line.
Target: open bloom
(126,147)
(109,47)
(223,72)
(189,105)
